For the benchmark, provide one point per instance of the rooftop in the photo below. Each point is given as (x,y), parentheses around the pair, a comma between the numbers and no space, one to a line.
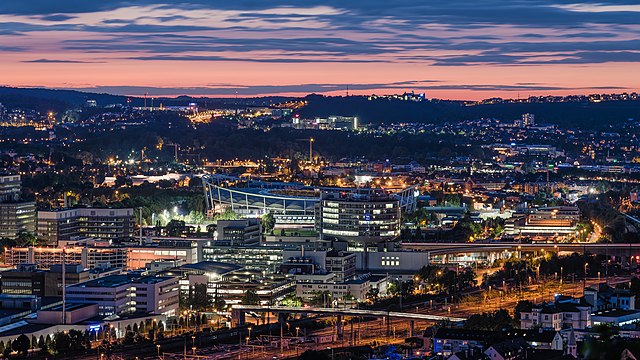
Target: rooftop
(213,267)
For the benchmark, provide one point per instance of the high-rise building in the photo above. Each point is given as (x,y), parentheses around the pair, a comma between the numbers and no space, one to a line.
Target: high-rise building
(15,216)
(106,224)
(369,217)
(526,120)
(10,188)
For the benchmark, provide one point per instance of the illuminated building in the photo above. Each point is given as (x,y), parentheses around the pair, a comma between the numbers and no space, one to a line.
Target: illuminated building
(15,216)
(366,216)
(105,224)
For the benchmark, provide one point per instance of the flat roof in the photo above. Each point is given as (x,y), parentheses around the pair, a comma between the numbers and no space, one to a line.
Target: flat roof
(615,313)
(112,281)
(105,282)
(212,267)
(69,307)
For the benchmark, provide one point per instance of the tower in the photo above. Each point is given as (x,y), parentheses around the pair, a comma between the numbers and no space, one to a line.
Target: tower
(572,346)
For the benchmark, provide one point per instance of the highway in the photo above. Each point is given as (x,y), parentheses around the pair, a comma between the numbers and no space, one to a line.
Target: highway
(344,311)
(456,248)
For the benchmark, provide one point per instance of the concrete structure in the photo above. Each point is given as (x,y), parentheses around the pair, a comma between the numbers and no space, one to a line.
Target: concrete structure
(551,221)
(10,187)
(73,314)
(366,216)
(27,279)
(238,232)
(184,250)
(341,264)
(107,224)
(15,216)
(87,257)
(342,292)
(397,262)
(293,204)
(157,295)
(122,294)
(604,297)
(239,311)
(615,317)
(450,341)
(260,258)
(558,315)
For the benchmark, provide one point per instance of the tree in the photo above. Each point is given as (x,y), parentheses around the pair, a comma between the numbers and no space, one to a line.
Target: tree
(176,227)
(496,320)
(7,349)
(268,223)
(219,304)
(321,298)
(292,300)
(227,214)
(26,238)
(196,298)
(22,344)
(373,294)
(250,298)
(313,355)
(521,306)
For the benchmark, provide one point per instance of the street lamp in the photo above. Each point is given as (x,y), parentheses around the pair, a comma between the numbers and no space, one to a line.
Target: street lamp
(297,330)
(158,346)
(249,328)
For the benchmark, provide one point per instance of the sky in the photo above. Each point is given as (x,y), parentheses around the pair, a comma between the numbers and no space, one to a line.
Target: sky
(451,49)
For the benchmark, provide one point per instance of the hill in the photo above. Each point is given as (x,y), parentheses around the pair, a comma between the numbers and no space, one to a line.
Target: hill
(588,115)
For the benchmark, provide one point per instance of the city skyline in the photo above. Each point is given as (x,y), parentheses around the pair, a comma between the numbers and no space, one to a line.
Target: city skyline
(466,50)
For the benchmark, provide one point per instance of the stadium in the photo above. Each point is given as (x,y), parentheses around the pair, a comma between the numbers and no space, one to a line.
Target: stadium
(366,214)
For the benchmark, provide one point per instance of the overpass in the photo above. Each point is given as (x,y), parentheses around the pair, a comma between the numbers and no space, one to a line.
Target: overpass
(620,250)
(239,312)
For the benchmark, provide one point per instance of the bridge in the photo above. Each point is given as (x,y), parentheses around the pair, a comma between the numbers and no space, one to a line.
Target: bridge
(619,250)
(239,313)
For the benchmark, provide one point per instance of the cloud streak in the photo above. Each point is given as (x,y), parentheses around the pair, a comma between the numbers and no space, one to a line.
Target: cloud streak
(258,36)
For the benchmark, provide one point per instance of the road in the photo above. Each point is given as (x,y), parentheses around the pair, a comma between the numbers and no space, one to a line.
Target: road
(357,331)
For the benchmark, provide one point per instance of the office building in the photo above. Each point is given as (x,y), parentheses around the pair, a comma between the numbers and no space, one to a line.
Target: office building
(183,250)
(363,217)
(122,294)
(340,263)
(238,232)
(87,257)
(27,279)
(64,225)
(261,258)
(525,121)
(15,216)
(10,187)
(549,221)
